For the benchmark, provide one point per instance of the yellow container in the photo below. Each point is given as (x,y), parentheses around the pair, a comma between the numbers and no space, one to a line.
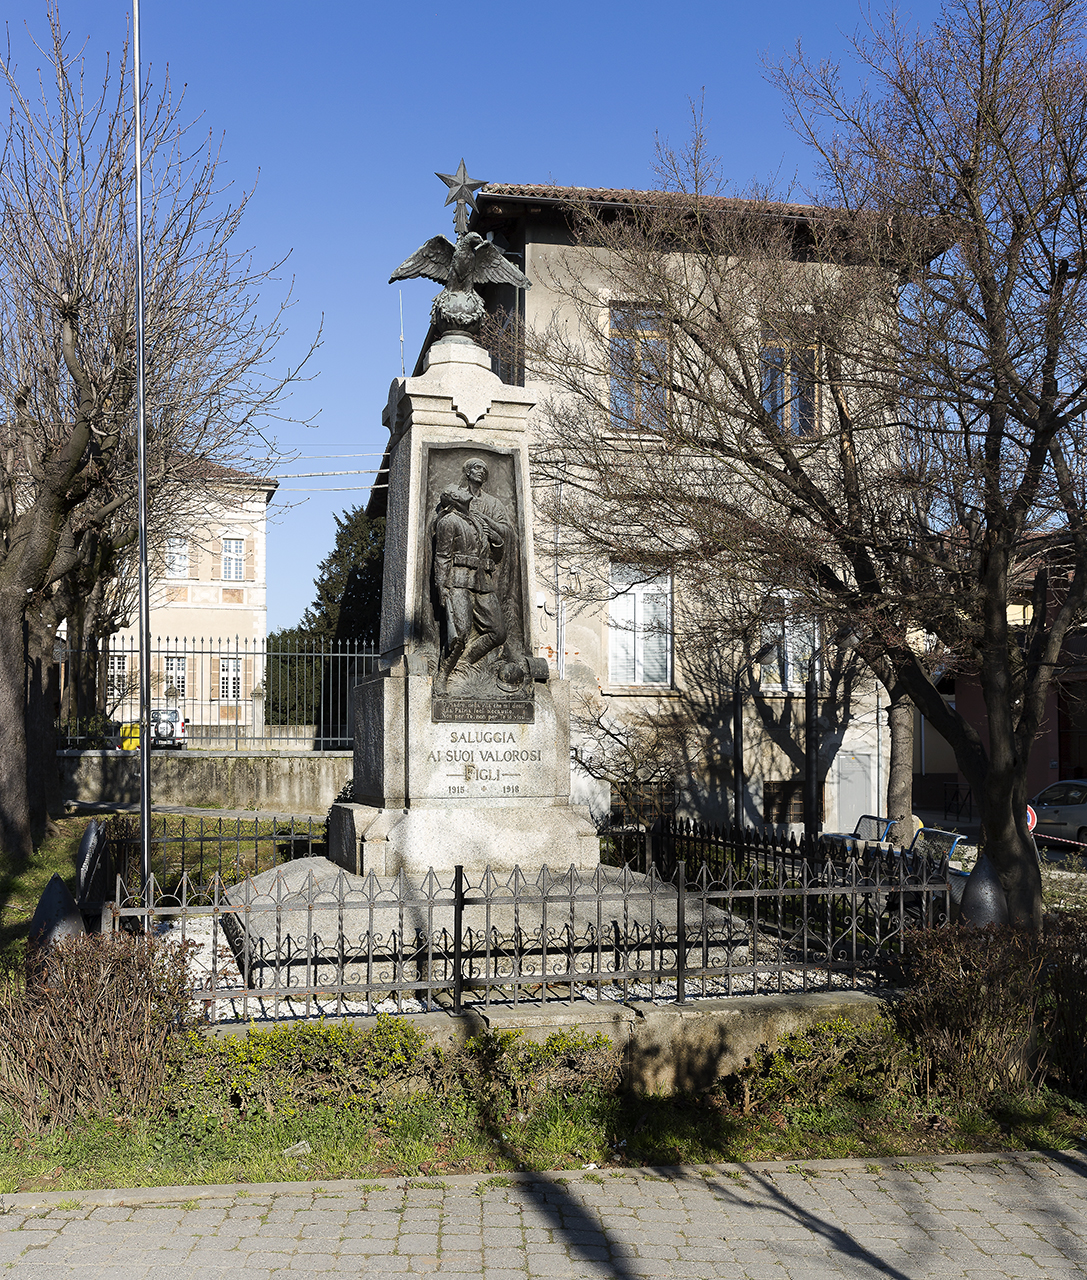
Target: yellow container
(130,737)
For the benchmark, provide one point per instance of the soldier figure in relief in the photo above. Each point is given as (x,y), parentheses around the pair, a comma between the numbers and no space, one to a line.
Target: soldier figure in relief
(470,537)
(487,510)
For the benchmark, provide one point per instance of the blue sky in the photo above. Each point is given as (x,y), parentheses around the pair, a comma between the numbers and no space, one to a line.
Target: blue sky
(345,110)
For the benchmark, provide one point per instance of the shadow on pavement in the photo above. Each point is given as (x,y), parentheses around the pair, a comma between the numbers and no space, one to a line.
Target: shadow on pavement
(841,1241)
(570,1220)
(1073,1161)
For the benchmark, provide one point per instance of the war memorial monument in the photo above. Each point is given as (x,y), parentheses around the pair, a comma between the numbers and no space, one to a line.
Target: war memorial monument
(460,807)
(462,739)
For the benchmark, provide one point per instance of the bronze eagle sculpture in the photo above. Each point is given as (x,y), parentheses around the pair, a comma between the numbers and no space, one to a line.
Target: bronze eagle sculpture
(460,268)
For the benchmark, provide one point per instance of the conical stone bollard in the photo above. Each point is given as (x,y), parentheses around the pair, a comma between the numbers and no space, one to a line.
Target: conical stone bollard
(56,915)
(983,900)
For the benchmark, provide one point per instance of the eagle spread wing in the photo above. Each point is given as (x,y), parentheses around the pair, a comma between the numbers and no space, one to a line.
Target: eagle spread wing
(490,266)
(432,261)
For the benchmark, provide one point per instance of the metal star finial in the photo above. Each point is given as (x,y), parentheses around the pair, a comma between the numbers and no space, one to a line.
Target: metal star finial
(460,190)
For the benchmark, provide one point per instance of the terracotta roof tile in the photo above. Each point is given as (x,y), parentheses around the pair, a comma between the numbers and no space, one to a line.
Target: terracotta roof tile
(628,196)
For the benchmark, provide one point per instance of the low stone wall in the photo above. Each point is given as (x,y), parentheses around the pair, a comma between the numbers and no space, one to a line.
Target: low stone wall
(287,782)
(668,1048)
(229,737)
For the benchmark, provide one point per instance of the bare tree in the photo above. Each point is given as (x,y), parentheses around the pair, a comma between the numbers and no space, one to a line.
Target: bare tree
(875,402)
(67,351)
(638,758)
(720,620)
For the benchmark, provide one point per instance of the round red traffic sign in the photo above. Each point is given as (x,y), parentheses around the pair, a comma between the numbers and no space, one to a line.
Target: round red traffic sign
(1032,818)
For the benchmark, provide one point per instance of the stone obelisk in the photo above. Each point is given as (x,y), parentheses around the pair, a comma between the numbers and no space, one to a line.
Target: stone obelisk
(462,740)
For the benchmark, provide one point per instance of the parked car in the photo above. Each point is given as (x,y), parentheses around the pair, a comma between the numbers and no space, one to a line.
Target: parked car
(168,728)
(1062,811)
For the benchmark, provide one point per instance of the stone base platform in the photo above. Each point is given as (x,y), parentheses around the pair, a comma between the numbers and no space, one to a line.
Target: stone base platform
(363,838)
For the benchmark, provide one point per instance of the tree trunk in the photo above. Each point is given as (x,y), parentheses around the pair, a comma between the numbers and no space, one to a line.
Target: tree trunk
(42,709)
(15,831)
(101,679)
(87,694)
(75,697)
(43,790)
(900,770)
(1009,846)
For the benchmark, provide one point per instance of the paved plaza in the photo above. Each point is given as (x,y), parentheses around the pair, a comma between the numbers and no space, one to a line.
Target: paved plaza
(970,1216)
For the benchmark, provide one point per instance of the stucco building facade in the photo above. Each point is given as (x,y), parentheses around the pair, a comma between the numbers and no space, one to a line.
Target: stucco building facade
(208,618)
(619,650)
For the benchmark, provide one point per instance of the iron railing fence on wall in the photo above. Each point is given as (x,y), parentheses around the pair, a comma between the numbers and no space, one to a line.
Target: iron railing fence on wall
(669,839)
(234,692)
(728,855)
(308,937)
(202,850)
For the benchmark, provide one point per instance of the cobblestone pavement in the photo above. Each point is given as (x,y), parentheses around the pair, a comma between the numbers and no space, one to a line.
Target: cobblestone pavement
(970,1216)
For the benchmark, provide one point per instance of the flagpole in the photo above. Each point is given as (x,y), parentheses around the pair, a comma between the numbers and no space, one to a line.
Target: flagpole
(141,481)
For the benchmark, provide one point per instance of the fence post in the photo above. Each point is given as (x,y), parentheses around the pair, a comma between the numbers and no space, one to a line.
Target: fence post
(458,927)
(681,930)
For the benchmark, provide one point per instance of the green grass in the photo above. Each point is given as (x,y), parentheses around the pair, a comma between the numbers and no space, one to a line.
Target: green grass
(21,887)
(427,1136)
(204,846)
(1064,880)
(237,845)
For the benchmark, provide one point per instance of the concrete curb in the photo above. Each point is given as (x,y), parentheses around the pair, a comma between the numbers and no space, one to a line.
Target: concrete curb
(133,1197)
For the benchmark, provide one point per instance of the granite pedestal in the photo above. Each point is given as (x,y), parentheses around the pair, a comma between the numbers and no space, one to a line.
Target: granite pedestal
(462,745)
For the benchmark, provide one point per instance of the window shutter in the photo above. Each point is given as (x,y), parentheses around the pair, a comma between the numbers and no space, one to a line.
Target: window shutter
(214,679)
(194,559)
(216,558)
(247,678)
(250,559)
(190,684)
(654,637)
(621,629)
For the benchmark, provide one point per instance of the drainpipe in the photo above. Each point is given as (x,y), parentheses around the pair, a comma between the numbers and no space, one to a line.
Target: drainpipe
(812,819)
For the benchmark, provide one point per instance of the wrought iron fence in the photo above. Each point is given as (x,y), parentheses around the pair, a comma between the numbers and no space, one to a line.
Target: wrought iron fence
(669,839)
(730,855)
(205,849)
(235,693)
(305,937)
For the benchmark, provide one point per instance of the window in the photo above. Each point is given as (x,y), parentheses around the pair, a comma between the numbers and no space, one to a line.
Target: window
(1063,793)
(177,557)
(794,637)
(234,559)
(789,385)
(230,678)
(117,677)
(639,368)
(503,336)
(176,669)
(640,621)
(642,803)
(783,802)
